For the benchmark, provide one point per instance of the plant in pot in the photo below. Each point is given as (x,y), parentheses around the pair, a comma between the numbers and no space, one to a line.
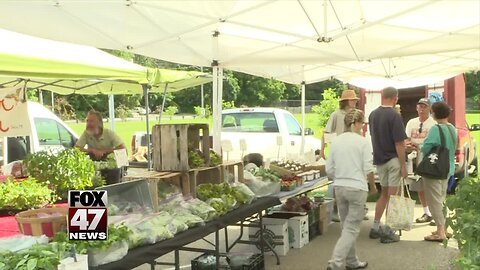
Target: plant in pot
(16,195)
(65,170)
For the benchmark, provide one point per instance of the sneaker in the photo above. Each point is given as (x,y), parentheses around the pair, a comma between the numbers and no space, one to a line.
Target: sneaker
(424,219)
(432,223)
(375,234)
(360,265)
(365,217)
(388,235)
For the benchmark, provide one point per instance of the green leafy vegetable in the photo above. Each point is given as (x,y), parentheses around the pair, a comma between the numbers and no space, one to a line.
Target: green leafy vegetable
(25,194)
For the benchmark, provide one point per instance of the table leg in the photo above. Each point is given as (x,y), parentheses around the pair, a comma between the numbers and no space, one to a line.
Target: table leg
(227,248)
(177,259)
(217,250)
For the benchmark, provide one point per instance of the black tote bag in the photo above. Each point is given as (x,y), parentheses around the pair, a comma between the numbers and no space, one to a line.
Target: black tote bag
(435,164)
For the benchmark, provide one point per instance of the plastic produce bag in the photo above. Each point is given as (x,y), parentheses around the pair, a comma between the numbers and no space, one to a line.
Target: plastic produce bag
(218,205)
(209,262)
(185,216)
(200,208)
(20,242)
(259,187)
(242,193)
(116,252)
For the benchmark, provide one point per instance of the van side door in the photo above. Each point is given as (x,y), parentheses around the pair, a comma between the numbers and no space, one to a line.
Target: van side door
(52,135)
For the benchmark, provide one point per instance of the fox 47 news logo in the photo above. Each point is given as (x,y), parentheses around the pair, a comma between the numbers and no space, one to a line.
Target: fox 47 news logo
(87,215)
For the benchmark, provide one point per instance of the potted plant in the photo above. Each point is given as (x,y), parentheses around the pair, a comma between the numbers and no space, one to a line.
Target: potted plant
(68,169)
(18,195)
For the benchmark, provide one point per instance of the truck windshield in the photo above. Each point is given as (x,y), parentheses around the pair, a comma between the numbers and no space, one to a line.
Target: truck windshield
(249,122)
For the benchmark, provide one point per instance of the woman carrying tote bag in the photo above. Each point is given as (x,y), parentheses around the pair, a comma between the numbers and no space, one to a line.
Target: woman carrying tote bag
(436,189)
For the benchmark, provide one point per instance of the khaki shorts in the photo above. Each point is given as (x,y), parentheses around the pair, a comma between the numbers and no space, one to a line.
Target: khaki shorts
(389,173)
(417,185)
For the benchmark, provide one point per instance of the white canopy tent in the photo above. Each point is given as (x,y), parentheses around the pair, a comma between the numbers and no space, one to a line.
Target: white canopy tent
(369,43)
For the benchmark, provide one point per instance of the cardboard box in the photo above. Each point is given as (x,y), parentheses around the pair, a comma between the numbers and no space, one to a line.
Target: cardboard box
(323,226)
(326,209)
(275,232)
(298,231)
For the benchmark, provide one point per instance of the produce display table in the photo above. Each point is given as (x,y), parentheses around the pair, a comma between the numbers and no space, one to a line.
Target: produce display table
(283,195)
(306,187)
(149,253)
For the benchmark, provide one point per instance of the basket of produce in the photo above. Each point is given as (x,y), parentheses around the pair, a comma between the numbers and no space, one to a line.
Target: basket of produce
(47,221)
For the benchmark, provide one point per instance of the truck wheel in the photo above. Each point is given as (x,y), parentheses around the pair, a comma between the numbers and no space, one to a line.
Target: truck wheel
(475,163)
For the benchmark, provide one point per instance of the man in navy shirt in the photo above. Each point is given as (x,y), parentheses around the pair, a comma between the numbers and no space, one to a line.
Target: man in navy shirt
(388,135)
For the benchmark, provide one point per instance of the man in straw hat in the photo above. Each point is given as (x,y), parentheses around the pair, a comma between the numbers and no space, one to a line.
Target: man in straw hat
(336,126)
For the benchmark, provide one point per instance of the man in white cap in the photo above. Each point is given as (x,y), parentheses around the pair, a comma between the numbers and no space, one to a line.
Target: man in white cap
(417,129)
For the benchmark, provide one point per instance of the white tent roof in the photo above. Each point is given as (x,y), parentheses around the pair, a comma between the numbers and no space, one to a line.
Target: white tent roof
(393,42)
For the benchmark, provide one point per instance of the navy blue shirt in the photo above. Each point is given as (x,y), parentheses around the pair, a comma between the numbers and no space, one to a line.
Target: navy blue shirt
(386,128)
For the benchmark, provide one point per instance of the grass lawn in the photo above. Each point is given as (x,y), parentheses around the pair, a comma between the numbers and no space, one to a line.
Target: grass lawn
(126,129)
(474,118)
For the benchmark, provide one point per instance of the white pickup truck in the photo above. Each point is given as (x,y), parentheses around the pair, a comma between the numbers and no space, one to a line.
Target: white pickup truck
(269,131)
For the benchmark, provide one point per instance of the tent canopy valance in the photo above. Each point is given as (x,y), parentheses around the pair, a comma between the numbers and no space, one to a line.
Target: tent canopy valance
(66,68)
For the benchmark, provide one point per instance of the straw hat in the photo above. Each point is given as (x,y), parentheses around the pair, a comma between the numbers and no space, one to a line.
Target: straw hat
(349,95)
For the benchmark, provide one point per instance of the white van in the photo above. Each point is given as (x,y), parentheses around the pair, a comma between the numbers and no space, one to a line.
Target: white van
(47,132)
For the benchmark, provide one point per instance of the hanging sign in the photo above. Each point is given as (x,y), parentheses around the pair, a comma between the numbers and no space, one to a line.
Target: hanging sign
(14,120)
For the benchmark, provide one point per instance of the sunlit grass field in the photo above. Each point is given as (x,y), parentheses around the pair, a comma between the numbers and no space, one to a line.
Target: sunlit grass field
(127,129)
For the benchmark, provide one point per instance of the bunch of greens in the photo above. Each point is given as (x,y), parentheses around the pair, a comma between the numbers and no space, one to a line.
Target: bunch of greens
(227,197)
(195,160)
(463,219)
(215,159)
(116,233)
(267,175)
(25,194)
(41,257)
(66,170)
(207,191)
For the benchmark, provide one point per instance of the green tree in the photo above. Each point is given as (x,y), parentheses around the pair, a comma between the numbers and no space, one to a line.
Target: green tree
(314,91)
(258,91)
(327,106)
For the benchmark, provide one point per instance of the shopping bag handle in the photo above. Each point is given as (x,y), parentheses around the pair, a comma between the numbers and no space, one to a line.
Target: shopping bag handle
(401,191)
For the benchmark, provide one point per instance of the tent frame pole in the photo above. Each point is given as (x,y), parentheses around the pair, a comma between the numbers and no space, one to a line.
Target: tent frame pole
(145,96)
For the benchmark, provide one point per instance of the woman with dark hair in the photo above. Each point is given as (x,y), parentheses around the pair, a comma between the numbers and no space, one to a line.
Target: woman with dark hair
(350,164)
(436,189)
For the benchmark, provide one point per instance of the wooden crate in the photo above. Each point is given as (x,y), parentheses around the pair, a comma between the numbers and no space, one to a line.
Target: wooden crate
(179,179)
(172,142)
(204,176)
(232,167)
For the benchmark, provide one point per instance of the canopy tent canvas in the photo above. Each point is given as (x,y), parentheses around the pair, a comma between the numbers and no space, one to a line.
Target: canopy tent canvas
(369,43)
(293,41)
(66,68)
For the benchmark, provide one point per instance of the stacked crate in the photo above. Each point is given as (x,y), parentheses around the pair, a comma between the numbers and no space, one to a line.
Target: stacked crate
(171,146)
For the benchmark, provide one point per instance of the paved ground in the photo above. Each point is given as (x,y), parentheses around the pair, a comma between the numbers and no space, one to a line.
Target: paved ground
(411,253)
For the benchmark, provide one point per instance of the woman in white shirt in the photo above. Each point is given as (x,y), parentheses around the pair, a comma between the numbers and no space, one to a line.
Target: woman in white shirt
(349,164)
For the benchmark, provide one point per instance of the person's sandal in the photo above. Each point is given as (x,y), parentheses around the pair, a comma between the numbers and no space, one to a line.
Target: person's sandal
(449,235)
(433,238)
(360,265)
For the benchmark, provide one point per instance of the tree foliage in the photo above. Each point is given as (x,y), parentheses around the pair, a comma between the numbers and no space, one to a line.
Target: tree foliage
(327,106)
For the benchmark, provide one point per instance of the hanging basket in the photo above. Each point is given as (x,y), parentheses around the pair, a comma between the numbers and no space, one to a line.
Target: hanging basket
(30,223)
